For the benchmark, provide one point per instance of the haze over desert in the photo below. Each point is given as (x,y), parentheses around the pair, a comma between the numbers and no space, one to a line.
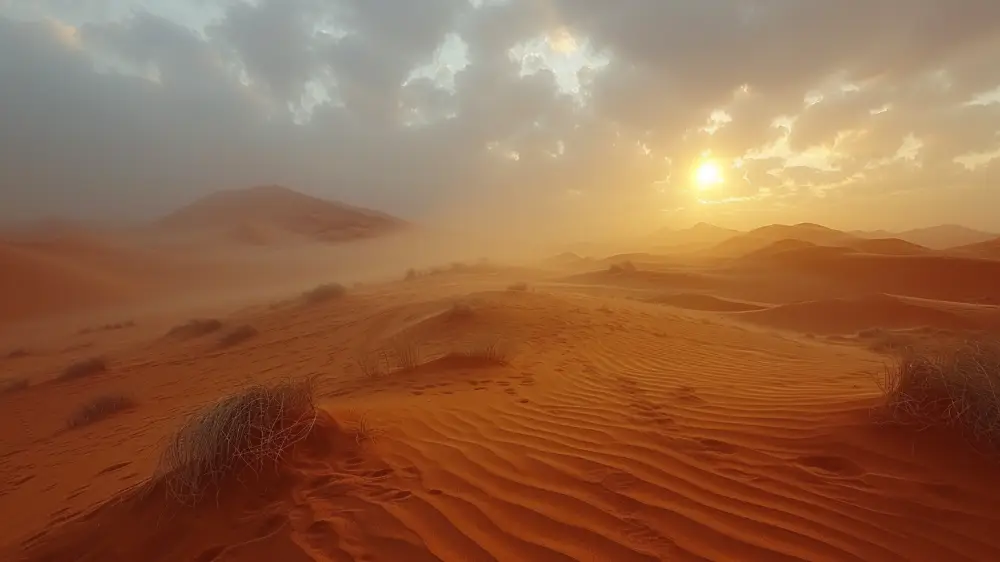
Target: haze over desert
(499,280)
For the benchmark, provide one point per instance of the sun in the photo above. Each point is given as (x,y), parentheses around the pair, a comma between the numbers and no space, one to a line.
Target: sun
(708,174)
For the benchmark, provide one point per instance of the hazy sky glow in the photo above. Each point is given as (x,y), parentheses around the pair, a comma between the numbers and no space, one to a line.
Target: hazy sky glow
(855,113)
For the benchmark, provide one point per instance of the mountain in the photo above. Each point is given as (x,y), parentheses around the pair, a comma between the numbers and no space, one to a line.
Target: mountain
(763,237)
(939,237)
(889,247)
(267,214)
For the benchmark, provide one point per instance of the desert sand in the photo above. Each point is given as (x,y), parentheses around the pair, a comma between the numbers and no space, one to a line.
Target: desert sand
(715,402)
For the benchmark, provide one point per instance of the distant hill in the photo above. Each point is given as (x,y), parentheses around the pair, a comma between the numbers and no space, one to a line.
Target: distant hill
(939,237)
(765,236)
(268,214)
(889,247)
(989,249)
(699,236)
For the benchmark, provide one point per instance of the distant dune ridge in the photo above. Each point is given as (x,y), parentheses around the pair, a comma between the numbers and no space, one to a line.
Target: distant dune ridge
(259,215)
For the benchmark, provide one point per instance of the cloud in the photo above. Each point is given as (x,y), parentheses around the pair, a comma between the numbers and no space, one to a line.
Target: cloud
(564,112)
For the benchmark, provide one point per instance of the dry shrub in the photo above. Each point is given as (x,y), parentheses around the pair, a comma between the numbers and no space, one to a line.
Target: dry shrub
(238,335)
(958,387)
(18,353)
(407,354)
(85,368)
(251,430)
(411,274)
(99,408)
(495,351)
(370,363)
(461,310)
(518,287)
(324,293)
(195,328)
(14,385)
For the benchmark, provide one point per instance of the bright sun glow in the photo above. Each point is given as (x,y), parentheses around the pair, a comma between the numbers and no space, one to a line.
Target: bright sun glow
(708,174)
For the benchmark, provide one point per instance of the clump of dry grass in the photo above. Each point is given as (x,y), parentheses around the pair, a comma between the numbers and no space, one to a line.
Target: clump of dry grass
(238,335)
(14,385)
(518,287)
(324,293)
(18,353)
(250,430)
(195,328)
(407,354)
(99,408)
(371,362)
(958,387)
(495,351)
(461,310)
(84,368)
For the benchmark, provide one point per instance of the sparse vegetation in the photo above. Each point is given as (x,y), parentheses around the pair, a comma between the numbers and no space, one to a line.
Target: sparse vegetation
(99,408)
(84,368)
(109,327)
(518,287)
(14,385)
(18,353)
(407,354)
(411,274)
(958,388)
(370,363)
(461,310)
(324,293)
(238,335)
(495,351)
(246,431)
(195,328)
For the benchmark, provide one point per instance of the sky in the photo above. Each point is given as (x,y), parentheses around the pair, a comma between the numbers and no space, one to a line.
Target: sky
(582,114)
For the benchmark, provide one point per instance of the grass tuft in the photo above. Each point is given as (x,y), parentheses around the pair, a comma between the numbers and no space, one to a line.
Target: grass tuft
(98,409)
(407,354)
(195,328)
(238,335)
(957,388)
(250,430)
(85,368)
(324,293)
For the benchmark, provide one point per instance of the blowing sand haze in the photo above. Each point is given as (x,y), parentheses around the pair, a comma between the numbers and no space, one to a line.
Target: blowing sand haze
(499,281)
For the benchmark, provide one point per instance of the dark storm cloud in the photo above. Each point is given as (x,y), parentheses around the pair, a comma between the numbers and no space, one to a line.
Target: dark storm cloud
(144,112)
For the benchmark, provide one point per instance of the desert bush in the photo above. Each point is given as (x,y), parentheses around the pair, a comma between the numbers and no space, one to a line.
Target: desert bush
(519,287)
(246,431)
(407,354)
(323,293)
(195,328)
(14,385)
(99,408)
(369,362)
(84,368)
(18,353)
(958,387)
(411,274)
(461,310)
(238,335)
(495,351)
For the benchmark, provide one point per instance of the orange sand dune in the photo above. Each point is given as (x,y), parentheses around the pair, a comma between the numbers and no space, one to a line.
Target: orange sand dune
(617,431)
(841,316)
